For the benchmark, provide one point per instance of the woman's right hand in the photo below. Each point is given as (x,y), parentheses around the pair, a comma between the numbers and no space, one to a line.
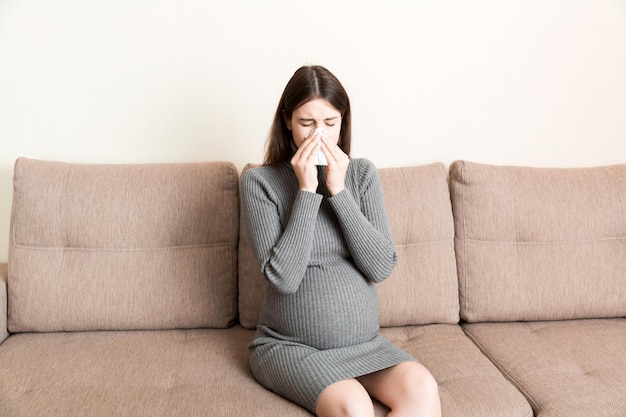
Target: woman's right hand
(303,163)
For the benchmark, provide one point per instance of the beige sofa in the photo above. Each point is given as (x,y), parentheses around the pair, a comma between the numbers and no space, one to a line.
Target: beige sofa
(131,290)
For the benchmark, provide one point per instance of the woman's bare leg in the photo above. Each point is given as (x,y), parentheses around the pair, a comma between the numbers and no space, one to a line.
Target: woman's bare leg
(408,389)
(345,399)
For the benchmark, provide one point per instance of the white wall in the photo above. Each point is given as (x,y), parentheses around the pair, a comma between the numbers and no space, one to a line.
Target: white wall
(507,82)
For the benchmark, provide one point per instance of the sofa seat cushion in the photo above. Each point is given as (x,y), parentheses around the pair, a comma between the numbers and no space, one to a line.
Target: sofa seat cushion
(566,368)
(134,373)
(469,384)
(171,372)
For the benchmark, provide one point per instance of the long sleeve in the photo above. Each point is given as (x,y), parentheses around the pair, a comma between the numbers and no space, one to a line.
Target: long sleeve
(365,225)
(283,251)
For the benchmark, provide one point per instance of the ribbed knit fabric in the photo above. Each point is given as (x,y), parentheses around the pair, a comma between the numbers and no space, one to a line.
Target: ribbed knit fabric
(322,256)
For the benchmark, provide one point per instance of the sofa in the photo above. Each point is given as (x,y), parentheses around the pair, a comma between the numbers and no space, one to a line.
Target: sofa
(131,290)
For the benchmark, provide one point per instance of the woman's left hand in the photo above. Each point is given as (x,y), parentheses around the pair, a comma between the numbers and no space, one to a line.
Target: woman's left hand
(337,166)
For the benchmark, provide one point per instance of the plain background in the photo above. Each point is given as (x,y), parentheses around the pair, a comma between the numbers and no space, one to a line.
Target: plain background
(521,82)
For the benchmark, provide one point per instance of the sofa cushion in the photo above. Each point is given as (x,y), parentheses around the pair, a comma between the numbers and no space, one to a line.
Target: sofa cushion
(539,243)
(165,373)
(573,368)
(469,384)
(197,373)
(114,247)
(423,288)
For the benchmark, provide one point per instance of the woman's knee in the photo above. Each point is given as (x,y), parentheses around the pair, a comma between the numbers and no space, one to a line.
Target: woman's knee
(418,378)
(421,390)
(345,399)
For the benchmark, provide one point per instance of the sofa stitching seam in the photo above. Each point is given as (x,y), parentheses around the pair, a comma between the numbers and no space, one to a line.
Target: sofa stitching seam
(121,249)
(504,373)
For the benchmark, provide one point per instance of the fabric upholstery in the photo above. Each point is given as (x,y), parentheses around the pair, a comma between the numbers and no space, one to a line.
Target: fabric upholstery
(166,373)
(573,368)
(154,247)
(539,243)
(423,288)
(469,384)
(3,302)
(197,373)
(116,247)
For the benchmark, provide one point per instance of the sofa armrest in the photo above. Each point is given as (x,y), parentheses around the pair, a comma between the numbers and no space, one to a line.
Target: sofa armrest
(3,302)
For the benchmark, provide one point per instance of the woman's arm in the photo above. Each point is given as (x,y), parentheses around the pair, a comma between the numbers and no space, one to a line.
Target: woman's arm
(365,224)
(283,254)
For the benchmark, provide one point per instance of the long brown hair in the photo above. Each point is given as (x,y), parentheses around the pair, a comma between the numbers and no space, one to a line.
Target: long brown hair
(306,84)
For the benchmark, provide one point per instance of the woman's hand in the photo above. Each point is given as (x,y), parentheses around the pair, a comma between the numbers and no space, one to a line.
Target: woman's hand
(303,163)
(337,166)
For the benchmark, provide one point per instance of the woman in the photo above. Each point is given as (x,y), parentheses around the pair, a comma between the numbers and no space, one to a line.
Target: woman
(323,240)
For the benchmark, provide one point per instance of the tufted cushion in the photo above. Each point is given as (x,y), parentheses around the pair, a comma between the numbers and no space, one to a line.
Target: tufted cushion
(423,287)
(539,243)
(165,373)
(104,247)
(469,384)
(565,368)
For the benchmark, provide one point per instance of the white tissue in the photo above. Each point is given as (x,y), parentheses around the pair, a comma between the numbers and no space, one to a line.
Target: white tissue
(320,158)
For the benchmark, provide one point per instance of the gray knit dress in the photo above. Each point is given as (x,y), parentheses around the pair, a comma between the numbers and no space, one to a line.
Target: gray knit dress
(322,256)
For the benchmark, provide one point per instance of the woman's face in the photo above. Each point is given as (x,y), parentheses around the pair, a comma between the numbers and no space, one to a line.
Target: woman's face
(312,115)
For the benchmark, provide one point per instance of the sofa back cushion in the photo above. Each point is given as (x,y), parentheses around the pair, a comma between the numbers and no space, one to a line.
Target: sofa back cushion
(539,243)
(423,288)
(117,247)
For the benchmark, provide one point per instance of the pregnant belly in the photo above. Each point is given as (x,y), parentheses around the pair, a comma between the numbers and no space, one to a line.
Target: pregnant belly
(331,309)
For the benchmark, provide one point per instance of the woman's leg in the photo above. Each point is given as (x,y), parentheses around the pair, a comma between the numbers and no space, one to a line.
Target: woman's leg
(408,389)
(345,399)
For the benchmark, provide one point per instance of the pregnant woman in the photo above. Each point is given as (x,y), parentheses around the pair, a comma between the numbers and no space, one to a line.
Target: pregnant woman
(323,241)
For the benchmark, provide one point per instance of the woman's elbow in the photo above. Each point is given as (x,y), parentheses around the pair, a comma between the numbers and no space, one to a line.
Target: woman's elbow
(382,270)
(279,281)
